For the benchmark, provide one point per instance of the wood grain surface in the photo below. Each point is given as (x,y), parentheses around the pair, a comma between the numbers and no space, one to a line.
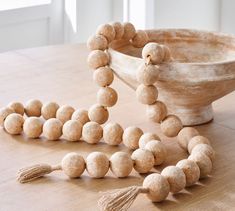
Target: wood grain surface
(60,73)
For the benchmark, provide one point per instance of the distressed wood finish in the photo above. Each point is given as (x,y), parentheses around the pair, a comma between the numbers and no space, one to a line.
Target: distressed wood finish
(203,70)
(60,74)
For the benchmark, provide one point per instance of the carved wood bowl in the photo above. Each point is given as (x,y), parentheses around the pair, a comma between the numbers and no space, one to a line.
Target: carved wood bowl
(203,70)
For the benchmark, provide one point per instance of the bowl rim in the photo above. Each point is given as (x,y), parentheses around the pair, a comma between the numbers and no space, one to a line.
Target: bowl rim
(185,30)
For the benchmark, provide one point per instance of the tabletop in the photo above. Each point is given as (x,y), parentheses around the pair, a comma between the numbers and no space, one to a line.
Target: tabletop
(60,74)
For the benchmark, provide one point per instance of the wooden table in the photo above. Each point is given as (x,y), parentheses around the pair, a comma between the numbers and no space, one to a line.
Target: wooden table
(60,73)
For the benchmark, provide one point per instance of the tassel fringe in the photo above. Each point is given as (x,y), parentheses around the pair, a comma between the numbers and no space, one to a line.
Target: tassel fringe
(33,172)
(120,199)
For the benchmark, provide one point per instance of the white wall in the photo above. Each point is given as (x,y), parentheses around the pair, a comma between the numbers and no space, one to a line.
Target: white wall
(197,14)
(31,26)
(228,16)
(89,14)
(75,20)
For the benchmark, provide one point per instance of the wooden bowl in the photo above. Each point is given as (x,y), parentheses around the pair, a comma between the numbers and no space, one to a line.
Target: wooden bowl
(203,70)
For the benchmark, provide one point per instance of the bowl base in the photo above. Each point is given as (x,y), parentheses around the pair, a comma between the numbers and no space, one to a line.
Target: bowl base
(192,116)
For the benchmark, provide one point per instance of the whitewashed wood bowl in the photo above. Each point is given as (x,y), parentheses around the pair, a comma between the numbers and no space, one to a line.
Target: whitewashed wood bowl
(203,70)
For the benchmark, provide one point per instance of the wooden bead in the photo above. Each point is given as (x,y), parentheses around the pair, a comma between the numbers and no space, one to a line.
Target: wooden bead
(72,130)
(4,112)
(175,177)
(157,111)
(52,129)
(147,137)
(129,31)
(97,164)
(17,107)
(146,94)
(204,163)
(112,134)
(158,187)
(33,108)
(97,42)
(185,135)
(49,110)
(131,137)
(140,39)
(171,126)
(119,30)
(81,115)
(107,31)
(13,123)
(98,113)
(92,132)
(97,58)
(143,160)
(167,53)
(106,96)
(33,127)
(195,141)
(206,149)
(158,150)
(147,74)
(64,113)
(103,76)
(121,164)
(73,165)
(154,51)
(191,171)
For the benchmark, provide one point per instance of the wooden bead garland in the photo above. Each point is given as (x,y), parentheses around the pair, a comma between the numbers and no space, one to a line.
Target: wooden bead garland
(129,31)
(121,164)
(112,133)
(140,39)
(97,164)
(81,115)
(171,126)
(152,151)
(64,113)
(185,135)
(33,127)
(13,123)
(17,107)
(156,112)
(197,140)
(158,150)
(73,165)
(131,137)
(147,137)
(146,94)
(119,30)
(98,113)
(92,132)
(97,58)
(4,112)
(175,177)
(52,129)
(147,74)
(103,76)
(72,130)
(191,171)
(49,110)
(143,160)
(97,42)
(106,96)
(158,187)
(107,31)
(33,108)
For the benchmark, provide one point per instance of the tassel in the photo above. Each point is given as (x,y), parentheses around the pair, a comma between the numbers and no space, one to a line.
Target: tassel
(120,199)
(33,172)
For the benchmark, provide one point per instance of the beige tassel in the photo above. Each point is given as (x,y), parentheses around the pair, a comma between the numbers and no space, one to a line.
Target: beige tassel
(120,199)
(33,172)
